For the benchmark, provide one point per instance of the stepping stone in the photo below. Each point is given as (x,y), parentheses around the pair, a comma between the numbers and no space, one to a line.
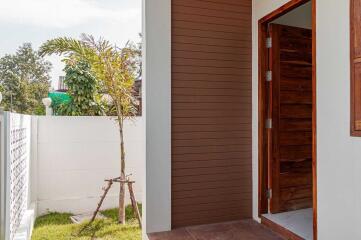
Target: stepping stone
(85,217)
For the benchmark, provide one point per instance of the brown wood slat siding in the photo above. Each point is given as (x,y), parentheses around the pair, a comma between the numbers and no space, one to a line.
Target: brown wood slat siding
(211,111)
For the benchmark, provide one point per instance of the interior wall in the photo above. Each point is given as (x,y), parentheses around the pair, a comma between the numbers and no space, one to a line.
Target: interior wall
(299,17)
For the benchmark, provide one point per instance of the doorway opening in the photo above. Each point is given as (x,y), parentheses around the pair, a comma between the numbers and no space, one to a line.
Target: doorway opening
(287,112)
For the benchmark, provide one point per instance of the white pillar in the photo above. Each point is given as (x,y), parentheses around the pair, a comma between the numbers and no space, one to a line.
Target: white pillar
(157,109)
(47,104)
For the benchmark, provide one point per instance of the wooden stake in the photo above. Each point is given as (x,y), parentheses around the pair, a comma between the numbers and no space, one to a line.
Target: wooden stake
(106,190)
(134,203)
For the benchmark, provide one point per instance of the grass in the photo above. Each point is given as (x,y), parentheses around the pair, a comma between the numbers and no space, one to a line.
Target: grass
(58,226)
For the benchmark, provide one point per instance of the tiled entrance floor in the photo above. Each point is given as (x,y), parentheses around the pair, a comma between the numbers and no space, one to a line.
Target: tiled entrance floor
(299,222)
(241,230)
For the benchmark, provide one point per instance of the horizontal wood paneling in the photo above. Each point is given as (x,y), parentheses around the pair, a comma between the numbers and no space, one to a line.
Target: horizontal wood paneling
(214,185)
(211,111)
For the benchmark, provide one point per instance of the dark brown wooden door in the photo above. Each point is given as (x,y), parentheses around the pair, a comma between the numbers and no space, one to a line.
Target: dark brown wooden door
(355,51)
(291,111)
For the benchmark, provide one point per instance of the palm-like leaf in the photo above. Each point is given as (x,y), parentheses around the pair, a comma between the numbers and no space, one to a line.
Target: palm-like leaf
(68,46)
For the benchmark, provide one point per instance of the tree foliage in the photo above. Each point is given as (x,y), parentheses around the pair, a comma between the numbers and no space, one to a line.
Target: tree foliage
(24,80)
(83,90)
(116,69)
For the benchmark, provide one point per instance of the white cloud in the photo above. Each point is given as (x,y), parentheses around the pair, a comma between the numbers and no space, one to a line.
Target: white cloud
(61,13)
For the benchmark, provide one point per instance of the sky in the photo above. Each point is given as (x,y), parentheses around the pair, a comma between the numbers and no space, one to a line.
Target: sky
(36,21)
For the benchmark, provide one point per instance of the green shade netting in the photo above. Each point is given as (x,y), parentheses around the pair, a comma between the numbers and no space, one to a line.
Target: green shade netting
(58,98)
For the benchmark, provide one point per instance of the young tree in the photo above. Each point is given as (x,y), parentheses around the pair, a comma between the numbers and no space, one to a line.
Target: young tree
(116,70)
(24,80)
(83,90)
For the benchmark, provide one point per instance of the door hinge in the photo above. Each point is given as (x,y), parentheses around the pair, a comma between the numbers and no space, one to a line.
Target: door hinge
(269,76)
(269,42)
(269,193)
(269,123)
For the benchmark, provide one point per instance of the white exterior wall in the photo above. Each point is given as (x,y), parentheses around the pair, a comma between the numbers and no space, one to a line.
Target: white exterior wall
(157,108)
(76,154)
(339,154)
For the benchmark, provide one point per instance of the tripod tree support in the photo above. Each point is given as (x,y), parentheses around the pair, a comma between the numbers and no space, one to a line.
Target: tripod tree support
(131,194)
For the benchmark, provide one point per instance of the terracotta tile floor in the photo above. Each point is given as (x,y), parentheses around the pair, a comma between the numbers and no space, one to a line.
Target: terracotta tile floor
(241,230)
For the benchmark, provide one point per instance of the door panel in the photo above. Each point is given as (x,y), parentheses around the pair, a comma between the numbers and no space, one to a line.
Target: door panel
(291,148)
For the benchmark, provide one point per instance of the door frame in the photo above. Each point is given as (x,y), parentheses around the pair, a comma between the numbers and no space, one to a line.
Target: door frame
(262,107)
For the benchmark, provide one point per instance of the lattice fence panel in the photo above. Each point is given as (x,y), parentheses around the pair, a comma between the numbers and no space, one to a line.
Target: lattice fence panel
(18,161)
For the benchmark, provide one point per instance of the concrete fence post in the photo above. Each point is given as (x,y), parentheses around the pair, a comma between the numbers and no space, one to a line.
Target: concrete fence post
(48,109)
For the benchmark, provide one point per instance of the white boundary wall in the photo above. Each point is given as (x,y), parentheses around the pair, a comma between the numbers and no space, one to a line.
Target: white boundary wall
(74,156)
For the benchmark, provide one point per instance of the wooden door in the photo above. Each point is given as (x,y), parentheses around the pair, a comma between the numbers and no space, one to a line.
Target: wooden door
(291,110)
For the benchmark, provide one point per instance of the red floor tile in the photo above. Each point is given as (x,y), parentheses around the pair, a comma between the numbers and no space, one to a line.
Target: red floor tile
(240,230)
(178,234)
(213,232)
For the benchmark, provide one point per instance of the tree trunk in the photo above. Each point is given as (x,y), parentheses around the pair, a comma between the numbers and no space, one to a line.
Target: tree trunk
(121,213)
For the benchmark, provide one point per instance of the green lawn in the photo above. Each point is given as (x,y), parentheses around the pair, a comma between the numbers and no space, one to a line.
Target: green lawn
(57,226)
